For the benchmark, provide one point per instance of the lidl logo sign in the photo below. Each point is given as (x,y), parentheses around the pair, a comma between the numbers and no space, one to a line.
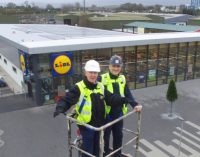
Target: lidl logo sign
(22,61)
(62,64)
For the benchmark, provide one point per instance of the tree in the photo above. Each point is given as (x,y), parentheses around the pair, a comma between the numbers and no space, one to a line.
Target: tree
(49,7)
(157,8)
(171,94)
(35,8)
(93,7)
(67,7)
(26,4)
(77,6)
(11,5)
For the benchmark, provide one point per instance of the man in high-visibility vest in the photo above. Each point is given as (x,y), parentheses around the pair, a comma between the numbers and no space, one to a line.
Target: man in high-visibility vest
(89,98)
(115,83)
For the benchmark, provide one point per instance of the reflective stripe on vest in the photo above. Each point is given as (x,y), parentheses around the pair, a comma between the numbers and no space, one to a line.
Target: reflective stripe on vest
(84,105)
(108,83)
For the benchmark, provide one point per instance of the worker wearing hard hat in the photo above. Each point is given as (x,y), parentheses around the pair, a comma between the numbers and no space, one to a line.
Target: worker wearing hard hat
(89,96)
(115,83)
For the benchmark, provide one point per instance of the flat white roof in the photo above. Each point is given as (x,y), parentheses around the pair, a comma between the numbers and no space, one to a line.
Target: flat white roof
(36,39)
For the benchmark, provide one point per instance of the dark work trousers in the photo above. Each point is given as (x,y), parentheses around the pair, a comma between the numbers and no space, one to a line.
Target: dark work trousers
(90,141)
(116,130)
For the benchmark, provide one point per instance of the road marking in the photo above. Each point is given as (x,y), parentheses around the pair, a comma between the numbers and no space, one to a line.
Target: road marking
(186,147)
(154,150)
(190,143)
(170,149)
(186,139)
(1,132)
(193,125)
(1,141)
(189,134)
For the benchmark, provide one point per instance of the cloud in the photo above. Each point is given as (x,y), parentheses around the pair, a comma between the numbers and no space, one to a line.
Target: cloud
(102,2)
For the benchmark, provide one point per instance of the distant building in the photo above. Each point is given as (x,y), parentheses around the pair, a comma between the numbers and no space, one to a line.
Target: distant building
(107,21)
(170,18)
(148,27)
(177,18)
(195,4)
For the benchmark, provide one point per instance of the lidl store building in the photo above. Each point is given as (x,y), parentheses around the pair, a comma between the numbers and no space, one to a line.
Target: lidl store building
(49,59)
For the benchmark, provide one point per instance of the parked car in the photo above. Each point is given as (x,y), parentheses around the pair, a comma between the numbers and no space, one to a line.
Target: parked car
(2,83)
(51,21)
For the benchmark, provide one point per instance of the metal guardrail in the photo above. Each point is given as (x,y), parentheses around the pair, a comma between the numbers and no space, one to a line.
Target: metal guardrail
(71,119)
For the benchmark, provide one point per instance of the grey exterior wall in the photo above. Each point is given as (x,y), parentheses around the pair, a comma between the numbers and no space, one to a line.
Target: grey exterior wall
(10,52)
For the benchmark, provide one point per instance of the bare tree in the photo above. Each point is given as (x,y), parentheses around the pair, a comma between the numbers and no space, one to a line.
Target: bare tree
(77,6)
(11,5)
(157,8)
(49,7)
(67,7)
(27,4)
(93,6)
(35,8)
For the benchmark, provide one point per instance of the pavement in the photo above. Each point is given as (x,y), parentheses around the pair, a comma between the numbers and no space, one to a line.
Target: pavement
(160,136)
(33,132)
(15,103)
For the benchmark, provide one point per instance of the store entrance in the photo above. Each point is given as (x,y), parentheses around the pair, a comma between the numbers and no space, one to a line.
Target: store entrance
(62,84)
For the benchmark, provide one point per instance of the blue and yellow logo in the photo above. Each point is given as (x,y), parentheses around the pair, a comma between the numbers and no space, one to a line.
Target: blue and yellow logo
(22,61)
(62,64)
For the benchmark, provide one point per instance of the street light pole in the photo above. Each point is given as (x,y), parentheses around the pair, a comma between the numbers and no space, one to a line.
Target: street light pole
(84,6)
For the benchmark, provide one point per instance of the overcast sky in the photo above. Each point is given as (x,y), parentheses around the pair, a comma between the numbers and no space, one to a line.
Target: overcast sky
(101,2)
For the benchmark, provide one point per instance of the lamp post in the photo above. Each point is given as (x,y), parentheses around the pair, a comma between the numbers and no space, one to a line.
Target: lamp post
(84,6)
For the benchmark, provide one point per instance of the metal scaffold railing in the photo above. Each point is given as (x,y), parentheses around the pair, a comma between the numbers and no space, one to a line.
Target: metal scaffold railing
(73,145)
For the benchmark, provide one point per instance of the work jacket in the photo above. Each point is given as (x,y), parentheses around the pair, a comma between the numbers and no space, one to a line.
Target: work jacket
(94,103)
(117,85)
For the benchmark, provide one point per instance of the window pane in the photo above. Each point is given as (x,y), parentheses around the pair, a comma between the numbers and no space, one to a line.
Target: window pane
(173,51)
(88,54)
(162,64)
(141,66)
(77,67)
(190,60)
(152,65)
(103,57)
(44,66)
(197,68)
(130,67)
(181,61)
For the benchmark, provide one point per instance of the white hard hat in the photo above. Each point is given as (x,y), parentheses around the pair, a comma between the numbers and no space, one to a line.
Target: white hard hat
(92,65)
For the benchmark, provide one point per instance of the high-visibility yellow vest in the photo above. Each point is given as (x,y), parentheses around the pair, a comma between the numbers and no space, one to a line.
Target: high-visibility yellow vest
(84,104)
(107,82)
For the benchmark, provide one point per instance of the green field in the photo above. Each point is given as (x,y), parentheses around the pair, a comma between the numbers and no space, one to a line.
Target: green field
(8,19)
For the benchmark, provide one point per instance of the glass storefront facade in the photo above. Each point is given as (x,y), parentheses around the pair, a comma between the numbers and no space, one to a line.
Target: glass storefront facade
(144,66)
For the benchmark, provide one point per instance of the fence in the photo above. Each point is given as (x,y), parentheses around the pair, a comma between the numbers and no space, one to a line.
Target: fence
(71,145)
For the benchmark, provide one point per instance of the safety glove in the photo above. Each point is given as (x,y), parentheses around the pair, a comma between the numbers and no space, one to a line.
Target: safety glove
(59,109)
